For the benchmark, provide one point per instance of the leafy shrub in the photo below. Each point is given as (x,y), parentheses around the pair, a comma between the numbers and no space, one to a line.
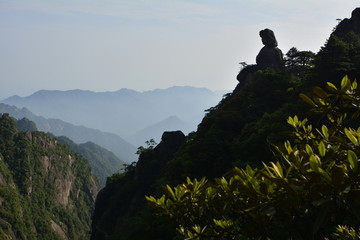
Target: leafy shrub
(313,187)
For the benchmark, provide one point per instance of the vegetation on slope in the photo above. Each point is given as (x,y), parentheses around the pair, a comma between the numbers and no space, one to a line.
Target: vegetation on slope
(46,190)
(103,163)
(239,132)
(313,187)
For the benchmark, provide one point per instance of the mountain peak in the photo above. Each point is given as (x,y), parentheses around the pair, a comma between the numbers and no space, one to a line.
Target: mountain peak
(349,24)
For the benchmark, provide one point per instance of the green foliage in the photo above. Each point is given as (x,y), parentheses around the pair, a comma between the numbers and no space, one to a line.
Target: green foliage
(150,144)
(313,187)
(345,233)
(339,57)
(25,124)
(35,174)
(298,62)
(243,122)
(239,132)
(103,162)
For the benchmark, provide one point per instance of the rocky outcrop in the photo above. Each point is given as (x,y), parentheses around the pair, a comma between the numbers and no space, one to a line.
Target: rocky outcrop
(172,139)
(349,24)
(270,56)
(124,194)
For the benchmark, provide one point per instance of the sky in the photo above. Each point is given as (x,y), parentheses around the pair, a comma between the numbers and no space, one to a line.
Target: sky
(106,45)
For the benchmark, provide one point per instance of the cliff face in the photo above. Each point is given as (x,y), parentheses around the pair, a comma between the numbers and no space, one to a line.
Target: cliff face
(103,163)
(46,190)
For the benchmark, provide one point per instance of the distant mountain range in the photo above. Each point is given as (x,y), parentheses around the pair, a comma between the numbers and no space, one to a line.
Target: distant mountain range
(127,113)
(79,134)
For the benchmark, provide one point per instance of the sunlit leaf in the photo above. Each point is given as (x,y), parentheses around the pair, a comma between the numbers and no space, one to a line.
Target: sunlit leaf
(353,160)
(350,136)
(314,163)
(325,131)
(322,149)
(307,99)
(308,149)
(169,191)
(332,86)
(345,83)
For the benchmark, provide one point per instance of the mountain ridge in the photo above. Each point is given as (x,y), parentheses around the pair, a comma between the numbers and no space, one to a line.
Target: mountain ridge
(122,112)
(79,134)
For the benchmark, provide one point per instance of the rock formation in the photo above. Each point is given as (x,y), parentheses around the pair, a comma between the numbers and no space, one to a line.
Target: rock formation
(349,24)
(117,204)
(270,56)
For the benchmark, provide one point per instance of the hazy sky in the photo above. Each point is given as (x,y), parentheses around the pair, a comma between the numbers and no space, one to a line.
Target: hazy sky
(105,45)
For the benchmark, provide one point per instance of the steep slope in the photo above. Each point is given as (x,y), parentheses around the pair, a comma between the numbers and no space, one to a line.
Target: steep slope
(120,209)
(340,55)
(103,162)
(46,190)
(79,134)
(236,132)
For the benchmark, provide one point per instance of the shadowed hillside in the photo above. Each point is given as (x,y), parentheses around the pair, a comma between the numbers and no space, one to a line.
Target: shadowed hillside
(239,131)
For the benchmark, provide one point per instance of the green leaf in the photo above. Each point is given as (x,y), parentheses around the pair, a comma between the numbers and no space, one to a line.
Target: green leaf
(319,101)
(307,99)
(314,163)
(354,85)
(324,174)
(169,191)
(325,131)
(308,149)
(345,83)
(322,149)
(223,223)
(277,169)
(288,147)
(352,159)
(296,119)
(351,137)
(332,86)
(320,92)
(290,121)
